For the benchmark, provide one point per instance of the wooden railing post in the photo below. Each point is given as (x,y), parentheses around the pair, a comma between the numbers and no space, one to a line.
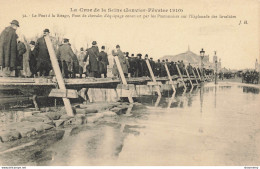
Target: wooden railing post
(153,78)
(58,74)
(195,76)
(170,78)
(121,73)
(181,76)
(189,77)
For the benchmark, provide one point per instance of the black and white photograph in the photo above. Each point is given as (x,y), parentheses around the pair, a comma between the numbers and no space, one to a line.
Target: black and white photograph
(139,83)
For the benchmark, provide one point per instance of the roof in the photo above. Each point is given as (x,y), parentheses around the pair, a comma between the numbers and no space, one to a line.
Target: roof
(187,57)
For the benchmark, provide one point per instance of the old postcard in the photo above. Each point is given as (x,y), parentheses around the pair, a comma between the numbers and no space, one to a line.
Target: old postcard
(130,83)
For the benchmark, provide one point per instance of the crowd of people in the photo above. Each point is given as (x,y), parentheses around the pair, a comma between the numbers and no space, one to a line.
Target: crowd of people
(250,77)
(92,62)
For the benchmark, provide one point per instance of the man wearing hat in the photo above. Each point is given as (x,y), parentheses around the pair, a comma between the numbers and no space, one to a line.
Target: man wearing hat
(33,59)
(21,49)
(81,56)
(132,65)
(65,56)
(93,54)
(8,48)
(43,63)
(103,58)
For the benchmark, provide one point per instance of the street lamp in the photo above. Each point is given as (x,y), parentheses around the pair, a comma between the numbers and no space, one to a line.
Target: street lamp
(202,52)
(216,73)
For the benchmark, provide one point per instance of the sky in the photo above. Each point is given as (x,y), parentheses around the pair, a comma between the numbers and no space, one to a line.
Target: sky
(236,45)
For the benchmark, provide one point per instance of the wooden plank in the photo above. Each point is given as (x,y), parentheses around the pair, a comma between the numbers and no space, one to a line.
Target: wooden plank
(157,87)
(170,78)
(181,76)
(121,73)
(66,93)
(198,73)
(195,76)
(154,83)
(189,77)
(58,74)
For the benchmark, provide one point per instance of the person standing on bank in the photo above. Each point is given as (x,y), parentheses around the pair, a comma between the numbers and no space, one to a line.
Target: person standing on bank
(81,56)
(103,58)
(8,48)
(122,59)
(93,53)
(21,49)
(33,59)
(65,55)
(43,63)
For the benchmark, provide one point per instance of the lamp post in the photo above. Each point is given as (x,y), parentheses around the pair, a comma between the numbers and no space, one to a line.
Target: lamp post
(216,71)
(202,52)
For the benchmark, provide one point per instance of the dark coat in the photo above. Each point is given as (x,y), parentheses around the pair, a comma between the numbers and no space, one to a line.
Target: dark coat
(21,51)
(42,50)
(103,59)
(43,57)
(93,54)
(33,61)
(8,48)
(65,53)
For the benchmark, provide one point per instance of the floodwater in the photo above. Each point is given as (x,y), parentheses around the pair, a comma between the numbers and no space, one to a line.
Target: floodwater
(210,125)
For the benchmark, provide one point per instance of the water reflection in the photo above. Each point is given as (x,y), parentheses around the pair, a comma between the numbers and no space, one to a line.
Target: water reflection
(250,90)
(161,133)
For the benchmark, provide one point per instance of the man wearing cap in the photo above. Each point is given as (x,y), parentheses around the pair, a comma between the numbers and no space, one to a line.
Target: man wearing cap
(43,62)
(103,58)
(93,54)
(81,56)
(65,55)
(33,59)
(8,48)
(21,49)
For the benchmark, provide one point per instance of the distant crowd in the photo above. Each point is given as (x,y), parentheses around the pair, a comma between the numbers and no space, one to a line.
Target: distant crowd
(92,62)
(250,77)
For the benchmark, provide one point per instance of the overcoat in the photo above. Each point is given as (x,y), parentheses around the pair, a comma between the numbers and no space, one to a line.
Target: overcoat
(93,53)
(8,48)
(21,49)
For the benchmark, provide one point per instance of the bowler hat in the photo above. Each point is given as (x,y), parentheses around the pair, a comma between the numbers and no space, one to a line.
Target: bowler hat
(15,22)
(117,46)
(103,47)
(65,40)
(32,43)
(94,43)
(46,30)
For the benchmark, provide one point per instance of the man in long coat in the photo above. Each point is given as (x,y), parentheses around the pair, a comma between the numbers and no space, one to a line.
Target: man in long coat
(65,55)
(8,48)
(21,49)
(43,63)
(103,58)
(33,59)
(93,53)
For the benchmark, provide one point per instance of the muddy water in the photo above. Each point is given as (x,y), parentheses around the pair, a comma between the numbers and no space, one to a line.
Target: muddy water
(211,125)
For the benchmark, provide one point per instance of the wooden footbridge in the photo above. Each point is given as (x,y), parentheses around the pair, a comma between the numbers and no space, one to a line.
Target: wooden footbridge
(74,88)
